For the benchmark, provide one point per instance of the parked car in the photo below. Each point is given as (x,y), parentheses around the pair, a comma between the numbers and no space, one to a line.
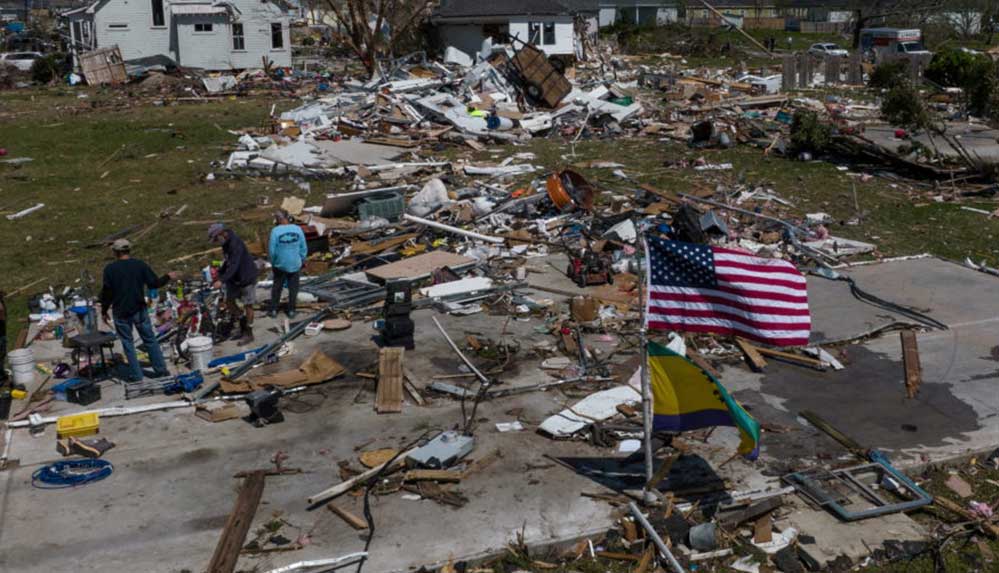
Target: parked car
(20,60)
(827,50)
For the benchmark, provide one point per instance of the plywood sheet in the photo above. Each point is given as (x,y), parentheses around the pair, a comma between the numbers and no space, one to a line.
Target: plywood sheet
(418,266)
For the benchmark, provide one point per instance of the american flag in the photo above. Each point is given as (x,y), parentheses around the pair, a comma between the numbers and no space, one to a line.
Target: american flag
(701,288)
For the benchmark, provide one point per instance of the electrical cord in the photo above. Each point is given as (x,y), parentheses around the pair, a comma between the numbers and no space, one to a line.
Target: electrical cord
(70,473)
(372,482)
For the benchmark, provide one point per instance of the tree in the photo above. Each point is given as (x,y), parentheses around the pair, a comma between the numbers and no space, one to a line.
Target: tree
(867,12)
(372,28)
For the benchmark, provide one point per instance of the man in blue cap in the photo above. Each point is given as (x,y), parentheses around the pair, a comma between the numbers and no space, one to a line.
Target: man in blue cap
(239,275)
(287,250)
(124,292)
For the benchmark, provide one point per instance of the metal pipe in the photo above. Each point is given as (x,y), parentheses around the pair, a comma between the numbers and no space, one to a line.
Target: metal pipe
(658,541)
(647,412)
(455,230)
(454,347)
(334,563)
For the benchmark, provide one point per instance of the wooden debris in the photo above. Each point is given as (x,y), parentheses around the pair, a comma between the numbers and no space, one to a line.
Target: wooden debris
(409,384)
(646,561)
(432,475)
(270,473)
(763,530)
(910,360)
(793,358)
(351,519)
(615,556)
(990,529)
(755,359)
(388,398)
(237,525)
(754,511)
(703,364)
(373,458)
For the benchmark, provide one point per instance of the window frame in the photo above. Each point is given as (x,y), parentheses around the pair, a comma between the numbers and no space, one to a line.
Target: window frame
(545,28)
(118,26)
(159,13)
(279,29)
(210,26)
(241,37)
(534,33)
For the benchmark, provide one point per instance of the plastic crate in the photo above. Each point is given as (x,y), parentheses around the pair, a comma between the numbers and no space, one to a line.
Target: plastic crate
(389,206)
(78,425)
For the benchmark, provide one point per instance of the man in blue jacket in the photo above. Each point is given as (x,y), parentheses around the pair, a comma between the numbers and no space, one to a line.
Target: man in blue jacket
(287,250)
(239,275)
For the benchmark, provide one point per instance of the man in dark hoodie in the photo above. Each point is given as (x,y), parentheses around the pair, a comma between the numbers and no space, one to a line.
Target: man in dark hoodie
(239,275)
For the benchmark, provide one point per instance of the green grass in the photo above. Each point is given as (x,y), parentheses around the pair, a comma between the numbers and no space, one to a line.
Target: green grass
(108,162)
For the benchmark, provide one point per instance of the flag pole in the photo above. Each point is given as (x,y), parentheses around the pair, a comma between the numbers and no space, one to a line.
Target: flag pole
(643,287)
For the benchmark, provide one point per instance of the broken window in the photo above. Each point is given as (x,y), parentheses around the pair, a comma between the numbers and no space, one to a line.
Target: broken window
(277,36)
(534,33)
(158,19)
(238,39)
(549,36)
(203,28)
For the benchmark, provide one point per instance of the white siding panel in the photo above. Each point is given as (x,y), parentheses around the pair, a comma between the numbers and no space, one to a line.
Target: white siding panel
(565,41)
(141,39)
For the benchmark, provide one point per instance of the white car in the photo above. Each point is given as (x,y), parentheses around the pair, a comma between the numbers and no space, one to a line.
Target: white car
(827,50)
(20,60)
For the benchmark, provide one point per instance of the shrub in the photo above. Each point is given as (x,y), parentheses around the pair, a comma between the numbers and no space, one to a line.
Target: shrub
(46,68)
(903,106)
(889,74)
(809,133)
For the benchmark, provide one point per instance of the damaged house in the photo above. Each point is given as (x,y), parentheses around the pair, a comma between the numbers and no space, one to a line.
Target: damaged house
(236,34)
(555,27)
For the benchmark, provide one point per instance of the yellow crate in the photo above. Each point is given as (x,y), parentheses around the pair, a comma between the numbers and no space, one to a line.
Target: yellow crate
(78,425)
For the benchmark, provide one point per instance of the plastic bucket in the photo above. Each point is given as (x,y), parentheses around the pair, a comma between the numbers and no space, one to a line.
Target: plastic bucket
(201,352)
(22,362)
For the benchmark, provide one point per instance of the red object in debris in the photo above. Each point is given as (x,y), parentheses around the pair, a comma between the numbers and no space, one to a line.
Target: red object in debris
(901,134)
(3,151)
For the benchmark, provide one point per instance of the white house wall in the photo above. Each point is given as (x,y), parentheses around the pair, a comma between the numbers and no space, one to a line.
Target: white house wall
(140,39)
(178,40)
(564,35)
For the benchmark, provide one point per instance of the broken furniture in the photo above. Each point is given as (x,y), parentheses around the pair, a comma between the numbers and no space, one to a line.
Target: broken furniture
(89,344)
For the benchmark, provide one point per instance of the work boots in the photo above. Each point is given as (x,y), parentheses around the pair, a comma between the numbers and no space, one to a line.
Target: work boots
(247,337)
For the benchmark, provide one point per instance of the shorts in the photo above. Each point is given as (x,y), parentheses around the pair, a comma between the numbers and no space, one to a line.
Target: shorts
(245,294)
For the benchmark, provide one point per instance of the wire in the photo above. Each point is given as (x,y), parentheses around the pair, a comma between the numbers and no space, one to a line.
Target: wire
(70,473)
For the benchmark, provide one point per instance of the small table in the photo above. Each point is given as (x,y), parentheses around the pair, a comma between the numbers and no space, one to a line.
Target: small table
(89,343)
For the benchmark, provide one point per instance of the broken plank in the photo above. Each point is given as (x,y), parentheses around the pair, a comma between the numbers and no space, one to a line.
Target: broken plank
(763,530)
(615,556)
(753,356)
(432,475)
(409,383)
(793,358)
(237,525)
(754,511)
(990,529)
(703,364)
(351,519)
(910,361)
(388,397)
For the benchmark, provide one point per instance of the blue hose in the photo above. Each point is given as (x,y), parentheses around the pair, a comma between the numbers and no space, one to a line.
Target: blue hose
(70,473)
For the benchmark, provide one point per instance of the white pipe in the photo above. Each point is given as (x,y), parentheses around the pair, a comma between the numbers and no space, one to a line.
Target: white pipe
(329,563)
(349,484)
(103,412)
(455,230)
(24,212)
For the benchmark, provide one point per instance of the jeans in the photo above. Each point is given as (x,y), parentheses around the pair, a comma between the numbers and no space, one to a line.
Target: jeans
(280,277)
(123,328)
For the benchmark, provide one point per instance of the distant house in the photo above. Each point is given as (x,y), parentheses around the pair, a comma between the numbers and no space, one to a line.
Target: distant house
(550,25)
(219,35)
(639,12)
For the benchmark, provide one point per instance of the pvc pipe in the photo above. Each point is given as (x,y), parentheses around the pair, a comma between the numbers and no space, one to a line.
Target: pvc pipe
(658,541)
(104,413)
(454,347)
(455,230)
(346,486)
(330,563)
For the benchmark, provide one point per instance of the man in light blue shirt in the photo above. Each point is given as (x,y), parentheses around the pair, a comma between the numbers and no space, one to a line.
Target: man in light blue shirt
(287,250)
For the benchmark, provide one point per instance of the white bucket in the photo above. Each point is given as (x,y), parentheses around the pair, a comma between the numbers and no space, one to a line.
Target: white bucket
(22,362)
(201,352)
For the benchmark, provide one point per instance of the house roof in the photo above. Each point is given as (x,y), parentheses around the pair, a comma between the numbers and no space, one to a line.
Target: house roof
(483,9)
